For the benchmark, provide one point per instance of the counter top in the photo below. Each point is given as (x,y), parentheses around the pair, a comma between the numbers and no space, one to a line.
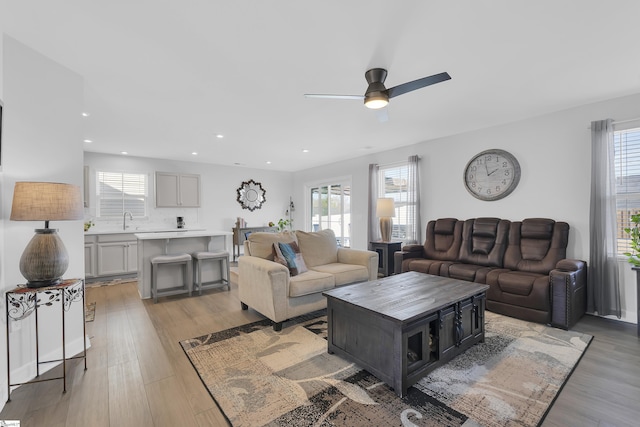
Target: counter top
(181,234)
(141,231)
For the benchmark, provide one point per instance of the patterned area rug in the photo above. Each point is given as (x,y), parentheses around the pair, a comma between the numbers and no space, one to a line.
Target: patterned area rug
(259,377)
(89,313)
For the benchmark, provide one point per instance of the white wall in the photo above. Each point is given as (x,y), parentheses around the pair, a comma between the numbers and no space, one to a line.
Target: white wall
(553,152)
(219,208)
(41,141)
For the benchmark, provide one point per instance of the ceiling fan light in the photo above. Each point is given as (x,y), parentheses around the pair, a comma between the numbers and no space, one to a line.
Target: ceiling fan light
(376,102)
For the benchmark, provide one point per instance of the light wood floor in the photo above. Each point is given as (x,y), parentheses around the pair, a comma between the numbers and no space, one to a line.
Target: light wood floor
(138,374)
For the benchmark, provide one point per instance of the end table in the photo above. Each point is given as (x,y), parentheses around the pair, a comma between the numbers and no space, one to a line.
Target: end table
(21,301)
(385,255)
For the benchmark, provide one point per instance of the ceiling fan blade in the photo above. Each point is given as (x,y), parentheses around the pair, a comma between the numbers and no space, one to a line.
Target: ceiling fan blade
(417,84)
(315,95)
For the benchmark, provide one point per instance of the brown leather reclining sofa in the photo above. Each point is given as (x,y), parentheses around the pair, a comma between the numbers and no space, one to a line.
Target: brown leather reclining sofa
(523,262)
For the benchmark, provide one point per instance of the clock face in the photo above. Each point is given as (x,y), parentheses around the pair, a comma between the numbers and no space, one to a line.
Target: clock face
(492,175)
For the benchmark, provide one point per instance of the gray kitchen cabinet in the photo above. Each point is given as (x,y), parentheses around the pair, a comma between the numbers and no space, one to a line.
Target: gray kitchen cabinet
(90,256)
(116,254)
(177,190)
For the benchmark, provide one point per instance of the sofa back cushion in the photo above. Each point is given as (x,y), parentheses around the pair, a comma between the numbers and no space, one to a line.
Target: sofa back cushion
(443,239)
(260,244)
(318,248)
(484,241)
(536,245)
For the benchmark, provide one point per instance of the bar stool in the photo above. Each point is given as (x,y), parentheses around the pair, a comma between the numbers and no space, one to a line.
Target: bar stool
(183,260)
(198,258)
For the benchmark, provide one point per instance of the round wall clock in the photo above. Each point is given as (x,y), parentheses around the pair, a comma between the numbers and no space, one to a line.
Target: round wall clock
(492,174)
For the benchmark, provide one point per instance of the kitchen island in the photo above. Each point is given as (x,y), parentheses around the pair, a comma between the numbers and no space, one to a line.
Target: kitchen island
(152,244)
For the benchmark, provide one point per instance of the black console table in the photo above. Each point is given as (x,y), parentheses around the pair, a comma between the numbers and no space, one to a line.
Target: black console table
(21,302)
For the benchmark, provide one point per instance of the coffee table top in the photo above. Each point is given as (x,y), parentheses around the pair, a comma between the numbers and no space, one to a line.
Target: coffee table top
(406,296)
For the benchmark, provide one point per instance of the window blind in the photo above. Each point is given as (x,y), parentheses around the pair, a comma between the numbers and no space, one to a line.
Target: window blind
(627,172)
(119,192)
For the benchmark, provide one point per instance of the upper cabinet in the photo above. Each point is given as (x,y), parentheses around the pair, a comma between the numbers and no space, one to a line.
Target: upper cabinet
(177,190)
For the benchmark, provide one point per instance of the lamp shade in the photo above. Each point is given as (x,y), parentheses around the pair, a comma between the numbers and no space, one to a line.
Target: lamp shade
(45,258)
(385,208)
(46,201)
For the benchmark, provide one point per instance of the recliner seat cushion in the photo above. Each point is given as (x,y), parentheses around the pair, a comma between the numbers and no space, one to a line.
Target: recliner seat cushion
(536,245)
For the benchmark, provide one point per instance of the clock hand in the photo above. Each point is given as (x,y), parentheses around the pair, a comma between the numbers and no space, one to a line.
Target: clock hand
(493,171)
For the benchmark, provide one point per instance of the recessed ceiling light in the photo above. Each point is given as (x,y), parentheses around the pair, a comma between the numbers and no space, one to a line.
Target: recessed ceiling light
(305,151)
(85,114)
(268,162)
(124,152)
(88,140)
(219,136)
(194,153)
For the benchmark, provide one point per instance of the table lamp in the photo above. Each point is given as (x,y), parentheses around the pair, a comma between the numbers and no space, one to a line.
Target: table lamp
(45,259)
(385,210)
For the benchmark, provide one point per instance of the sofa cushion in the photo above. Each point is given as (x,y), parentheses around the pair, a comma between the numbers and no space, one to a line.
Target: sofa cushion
(288,254)
(318,248)
(345,273)
(536,245)
(260,243)
(484,241)
(310,282)
(443,239)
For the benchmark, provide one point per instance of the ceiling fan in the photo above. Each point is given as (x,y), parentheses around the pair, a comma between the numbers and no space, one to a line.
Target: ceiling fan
(377,95)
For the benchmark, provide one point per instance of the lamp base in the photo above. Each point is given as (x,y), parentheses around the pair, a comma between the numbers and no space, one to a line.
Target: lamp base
(44,260)
(386,224)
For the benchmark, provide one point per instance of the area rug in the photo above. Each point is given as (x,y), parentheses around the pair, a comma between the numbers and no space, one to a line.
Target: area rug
(259,377)
(110,282)
(90,312)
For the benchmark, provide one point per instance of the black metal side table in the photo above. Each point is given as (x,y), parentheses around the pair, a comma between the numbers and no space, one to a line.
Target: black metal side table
(385,255)
(22,301)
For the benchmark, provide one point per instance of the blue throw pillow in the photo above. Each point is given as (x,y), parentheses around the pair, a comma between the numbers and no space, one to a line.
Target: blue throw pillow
(291,253)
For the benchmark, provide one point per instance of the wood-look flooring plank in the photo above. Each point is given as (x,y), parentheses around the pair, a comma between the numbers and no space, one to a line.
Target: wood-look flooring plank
(128,404)
(89,404)
(168,404)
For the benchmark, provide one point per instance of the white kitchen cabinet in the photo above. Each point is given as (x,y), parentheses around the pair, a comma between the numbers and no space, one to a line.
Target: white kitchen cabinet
(177,190)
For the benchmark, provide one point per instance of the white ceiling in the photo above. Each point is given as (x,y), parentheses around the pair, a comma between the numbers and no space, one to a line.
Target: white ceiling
(163,77)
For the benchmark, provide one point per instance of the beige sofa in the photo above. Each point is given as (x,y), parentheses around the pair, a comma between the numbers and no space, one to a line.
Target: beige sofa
(269,288)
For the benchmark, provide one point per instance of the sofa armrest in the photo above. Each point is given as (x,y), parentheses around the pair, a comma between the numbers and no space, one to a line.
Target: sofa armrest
(365,258)
(408,251)
(568,292)
(264,286)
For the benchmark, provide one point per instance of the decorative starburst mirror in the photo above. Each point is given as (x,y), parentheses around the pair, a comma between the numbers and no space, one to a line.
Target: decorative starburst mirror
(251,195)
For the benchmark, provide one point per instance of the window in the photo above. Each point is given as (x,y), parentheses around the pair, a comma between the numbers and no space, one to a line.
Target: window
(120,192)
(394,183)
(331,208)
(627,169)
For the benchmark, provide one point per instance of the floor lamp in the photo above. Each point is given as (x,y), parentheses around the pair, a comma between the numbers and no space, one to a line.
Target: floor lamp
(385,210)
(45,259)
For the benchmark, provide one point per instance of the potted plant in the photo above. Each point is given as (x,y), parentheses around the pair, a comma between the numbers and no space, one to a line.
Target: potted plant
(282,224)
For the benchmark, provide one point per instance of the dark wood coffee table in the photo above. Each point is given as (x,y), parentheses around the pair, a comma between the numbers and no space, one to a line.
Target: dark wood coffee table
(402,327)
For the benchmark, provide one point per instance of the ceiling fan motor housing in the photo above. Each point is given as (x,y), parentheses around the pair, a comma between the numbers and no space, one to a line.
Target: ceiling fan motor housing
(376,91)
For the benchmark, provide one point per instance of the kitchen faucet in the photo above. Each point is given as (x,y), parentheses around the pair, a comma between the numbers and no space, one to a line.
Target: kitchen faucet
(124,219)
